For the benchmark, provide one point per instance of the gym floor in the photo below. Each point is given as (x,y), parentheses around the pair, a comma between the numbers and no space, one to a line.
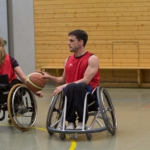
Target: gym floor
(132,107)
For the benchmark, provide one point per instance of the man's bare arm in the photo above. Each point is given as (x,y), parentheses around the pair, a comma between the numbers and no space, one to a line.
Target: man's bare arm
(58,80)
(93,66)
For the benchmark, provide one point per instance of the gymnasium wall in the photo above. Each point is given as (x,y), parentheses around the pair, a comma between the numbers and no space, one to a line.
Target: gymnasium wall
(3,23)
(119,34)
(21,33)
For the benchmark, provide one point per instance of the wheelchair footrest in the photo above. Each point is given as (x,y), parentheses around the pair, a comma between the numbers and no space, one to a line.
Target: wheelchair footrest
(51,129)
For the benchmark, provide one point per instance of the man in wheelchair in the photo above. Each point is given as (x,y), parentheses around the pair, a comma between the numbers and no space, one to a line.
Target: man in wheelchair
(81,71)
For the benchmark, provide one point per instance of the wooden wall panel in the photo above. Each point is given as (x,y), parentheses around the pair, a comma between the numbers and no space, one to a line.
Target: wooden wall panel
(119,76)
(146,76)
(119,33)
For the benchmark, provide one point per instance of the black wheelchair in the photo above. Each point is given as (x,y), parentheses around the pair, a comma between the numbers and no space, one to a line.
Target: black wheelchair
(19,102)
(101,118)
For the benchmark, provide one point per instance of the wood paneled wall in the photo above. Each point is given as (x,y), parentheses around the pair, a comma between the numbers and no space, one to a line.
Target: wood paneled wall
(119,31)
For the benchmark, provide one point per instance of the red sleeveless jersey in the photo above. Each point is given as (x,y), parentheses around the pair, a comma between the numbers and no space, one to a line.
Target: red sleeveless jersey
(6,68)
(76,67)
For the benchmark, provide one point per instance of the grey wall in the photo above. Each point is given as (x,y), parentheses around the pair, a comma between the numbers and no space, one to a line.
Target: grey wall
(3,22)
(21,33)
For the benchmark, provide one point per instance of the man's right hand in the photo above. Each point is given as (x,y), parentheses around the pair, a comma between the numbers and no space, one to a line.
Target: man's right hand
(46,75)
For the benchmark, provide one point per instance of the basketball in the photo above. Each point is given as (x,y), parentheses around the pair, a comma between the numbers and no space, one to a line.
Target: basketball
(35,81)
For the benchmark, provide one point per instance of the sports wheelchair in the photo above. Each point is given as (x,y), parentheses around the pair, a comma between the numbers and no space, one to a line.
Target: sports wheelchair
(102,117)
(19,102)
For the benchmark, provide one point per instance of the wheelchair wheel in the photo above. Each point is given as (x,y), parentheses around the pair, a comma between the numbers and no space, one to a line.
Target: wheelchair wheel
(55,112)
(107,110)
(22,107)
(89,136)
(62,136)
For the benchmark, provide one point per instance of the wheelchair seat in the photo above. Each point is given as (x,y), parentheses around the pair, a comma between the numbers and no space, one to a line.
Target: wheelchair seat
(19,102)
(102,115)
(4,79)
(4,88)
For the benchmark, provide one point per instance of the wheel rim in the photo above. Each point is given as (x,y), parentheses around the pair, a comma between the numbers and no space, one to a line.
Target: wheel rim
(55,111)
(108,112)
(22,107)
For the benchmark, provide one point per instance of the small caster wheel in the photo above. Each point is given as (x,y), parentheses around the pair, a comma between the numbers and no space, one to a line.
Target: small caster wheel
(89,136)
(62,136)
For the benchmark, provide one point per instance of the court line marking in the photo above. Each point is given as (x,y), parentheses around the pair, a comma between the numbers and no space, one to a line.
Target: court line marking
(73,142)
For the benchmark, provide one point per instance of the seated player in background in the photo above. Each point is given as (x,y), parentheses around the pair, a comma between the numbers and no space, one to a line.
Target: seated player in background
(81,71)
(9,66)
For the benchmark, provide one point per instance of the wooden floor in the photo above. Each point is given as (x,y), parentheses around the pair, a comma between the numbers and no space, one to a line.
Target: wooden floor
(132,108)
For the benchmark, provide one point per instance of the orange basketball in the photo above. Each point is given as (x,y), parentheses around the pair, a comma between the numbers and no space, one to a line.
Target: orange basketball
(35,81)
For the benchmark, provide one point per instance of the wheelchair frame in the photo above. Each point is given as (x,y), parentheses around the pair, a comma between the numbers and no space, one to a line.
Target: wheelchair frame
(21,105)
(105,112)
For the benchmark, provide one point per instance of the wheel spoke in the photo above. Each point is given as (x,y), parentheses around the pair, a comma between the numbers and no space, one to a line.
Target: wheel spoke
(55,112)
(107,110)
(22,107)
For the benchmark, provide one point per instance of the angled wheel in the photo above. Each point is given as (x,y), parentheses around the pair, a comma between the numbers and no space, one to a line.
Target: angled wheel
(22,107)
(62,136)
(89,136)
(107,110)
(55,112)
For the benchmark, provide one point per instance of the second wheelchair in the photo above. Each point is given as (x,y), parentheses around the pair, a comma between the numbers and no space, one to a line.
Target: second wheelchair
(20,104)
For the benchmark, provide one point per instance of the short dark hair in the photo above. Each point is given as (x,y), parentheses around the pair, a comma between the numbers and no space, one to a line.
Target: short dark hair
(80,35)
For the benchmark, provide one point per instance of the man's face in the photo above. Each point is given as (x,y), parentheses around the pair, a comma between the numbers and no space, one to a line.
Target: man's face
(74,44)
